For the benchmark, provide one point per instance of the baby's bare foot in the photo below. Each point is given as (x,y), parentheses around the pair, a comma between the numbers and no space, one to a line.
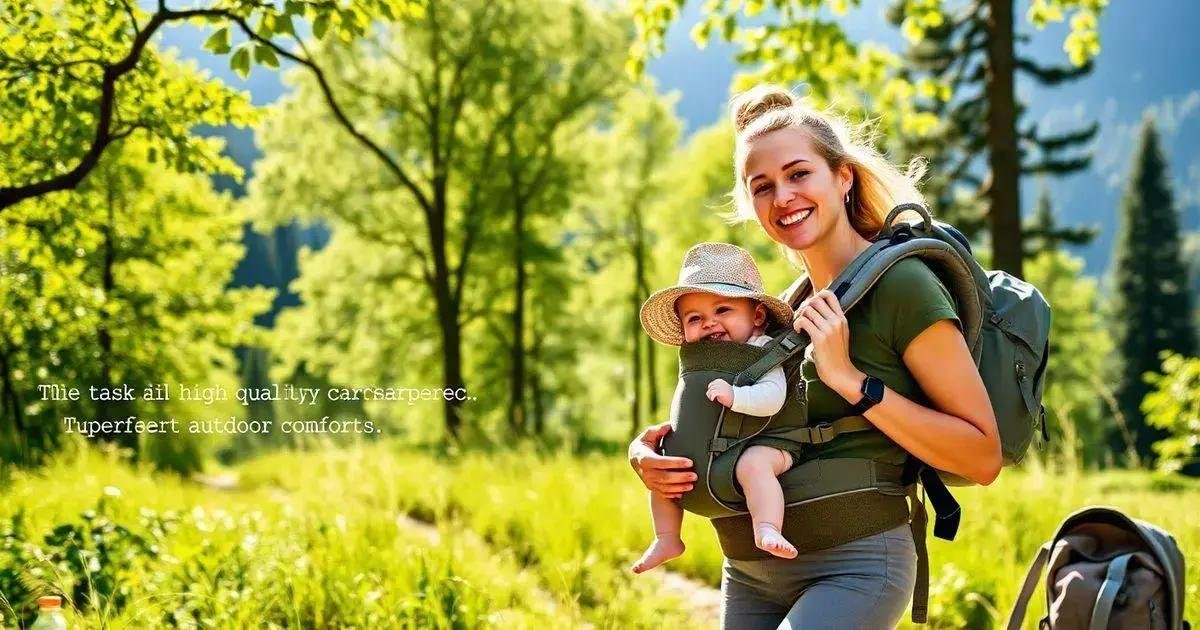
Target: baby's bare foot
(659,551)
(768,538)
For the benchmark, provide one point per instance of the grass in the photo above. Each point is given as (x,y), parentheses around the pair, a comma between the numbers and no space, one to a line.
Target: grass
(321,539)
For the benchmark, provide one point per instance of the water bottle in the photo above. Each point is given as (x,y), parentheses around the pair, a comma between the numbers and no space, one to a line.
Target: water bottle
(50,615)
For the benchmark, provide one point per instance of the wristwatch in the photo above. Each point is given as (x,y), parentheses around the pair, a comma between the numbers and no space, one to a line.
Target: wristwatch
(872,394)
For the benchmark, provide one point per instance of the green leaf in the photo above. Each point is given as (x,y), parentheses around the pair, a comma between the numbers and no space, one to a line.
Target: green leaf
(218,42)
(265,55)
(729,27)
(321,25)
(240,62)
(283,24)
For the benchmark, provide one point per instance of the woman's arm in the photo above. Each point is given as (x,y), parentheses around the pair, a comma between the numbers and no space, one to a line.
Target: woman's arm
(668,476)
(959,436)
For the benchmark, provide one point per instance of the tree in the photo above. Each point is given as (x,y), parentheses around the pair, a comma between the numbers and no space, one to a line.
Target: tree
(127,287)
(1153,301)
(1043,234)
(1174,406)
(82,76)
(872,82)
(971,54)
(442,104)
(634,189)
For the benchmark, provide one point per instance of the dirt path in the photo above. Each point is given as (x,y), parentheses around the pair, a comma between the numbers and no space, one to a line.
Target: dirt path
(702,600)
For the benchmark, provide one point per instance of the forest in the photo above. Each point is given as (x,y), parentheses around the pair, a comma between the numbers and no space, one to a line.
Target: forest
(497,186)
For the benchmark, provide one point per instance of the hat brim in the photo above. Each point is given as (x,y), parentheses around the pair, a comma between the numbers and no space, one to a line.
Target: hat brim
(660,321)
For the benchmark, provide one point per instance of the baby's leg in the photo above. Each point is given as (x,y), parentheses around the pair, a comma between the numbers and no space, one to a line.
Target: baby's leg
(668,520)
(758,470)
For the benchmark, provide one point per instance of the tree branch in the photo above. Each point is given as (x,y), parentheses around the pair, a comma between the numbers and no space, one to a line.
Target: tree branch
(338,113)
(12,195)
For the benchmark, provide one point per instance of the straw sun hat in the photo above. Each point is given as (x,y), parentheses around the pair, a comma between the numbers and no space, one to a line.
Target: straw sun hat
(716,268)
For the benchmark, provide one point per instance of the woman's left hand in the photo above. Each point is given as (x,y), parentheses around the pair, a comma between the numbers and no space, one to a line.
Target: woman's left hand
(822,318)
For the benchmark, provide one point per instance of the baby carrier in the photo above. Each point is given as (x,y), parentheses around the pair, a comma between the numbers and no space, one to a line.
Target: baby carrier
(829,501)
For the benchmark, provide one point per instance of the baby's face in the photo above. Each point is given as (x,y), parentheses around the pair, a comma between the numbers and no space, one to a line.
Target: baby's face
(708,316)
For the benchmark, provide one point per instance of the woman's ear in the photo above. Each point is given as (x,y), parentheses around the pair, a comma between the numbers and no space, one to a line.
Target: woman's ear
(846,177)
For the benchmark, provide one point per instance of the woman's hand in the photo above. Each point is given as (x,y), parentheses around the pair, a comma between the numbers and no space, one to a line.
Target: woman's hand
(822,318)
(668,476)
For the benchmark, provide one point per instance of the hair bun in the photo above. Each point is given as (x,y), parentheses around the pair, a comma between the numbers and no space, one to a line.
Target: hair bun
(752,104)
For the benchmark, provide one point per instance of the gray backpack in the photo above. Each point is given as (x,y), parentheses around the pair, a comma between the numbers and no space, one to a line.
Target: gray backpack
(1006,320)
(1107,571)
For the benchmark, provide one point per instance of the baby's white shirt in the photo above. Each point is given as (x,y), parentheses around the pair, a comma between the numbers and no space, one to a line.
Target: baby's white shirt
(766,397)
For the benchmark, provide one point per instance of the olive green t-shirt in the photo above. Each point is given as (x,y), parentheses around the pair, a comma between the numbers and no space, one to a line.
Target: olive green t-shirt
(906,300)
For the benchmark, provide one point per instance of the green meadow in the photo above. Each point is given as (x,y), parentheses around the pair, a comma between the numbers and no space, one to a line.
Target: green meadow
(386,536)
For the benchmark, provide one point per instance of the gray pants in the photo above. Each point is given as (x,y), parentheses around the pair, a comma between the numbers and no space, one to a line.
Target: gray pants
(863,584)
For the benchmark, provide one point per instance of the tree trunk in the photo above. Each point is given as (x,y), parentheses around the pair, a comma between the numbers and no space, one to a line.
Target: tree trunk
(447,311)
(20,447)
(535,382)
(1004,180)
(636,364)
(642,291)
(111,410)
(516,398)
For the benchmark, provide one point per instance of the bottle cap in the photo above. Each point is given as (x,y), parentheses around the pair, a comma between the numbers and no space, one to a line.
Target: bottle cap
(49,601)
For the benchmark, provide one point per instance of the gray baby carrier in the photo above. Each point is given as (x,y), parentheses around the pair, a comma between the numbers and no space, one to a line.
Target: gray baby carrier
(833,500)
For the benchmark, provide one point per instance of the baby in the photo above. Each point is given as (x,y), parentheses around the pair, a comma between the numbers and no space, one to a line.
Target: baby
(720,297)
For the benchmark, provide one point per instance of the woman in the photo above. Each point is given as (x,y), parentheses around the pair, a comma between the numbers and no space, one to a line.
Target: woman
(823,197)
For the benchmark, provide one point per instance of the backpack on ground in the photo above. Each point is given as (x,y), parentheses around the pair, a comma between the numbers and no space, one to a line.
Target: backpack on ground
(1107,570)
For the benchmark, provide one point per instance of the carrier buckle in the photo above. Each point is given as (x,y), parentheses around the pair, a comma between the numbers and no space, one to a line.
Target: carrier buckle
(720,444)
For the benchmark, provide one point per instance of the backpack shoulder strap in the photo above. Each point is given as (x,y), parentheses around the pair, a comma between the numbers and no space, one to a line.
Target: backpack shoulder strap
(1113,580)
(1032,576)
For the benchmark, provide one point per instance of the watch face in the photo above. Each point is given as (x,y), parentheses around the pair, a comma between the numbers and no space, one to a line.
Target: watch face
(873,389)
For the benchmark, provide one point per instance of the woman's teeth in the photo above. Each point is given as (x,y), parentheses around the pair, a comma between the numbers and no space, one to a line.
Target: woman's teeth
(795,217)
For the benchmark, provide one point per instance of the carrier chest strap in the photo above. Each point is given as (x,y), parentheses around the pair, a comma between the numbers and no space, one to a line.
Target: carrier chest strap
(825,431)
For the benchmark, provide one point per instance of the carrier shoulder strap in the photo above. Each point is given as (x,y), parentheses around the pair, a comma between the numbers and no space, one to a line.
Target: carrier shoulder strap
(859,277)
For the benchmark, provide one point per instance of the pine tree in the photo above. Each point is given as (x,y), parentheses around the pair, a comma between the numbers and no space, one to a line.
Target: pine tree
(984,145)
(1044,234)
(1153,299)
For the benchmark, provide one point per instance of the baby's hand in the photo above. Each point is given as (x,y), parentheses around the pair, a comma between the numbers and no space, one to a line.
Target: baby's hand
(721,392)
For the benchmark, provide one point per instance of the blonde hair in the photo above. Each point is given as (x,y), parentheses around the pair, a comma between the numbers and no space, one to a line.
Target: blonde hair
(878,185)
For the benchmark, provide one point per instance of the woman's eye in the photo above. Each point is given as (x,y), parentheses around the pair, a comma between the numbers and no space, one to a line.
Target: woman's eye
(762,189)
(798,174)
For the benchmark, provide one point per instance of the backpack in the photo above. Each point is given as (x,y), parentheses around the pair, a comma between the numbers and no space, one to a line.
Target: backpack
(1006,320)
(1006,324)
(1107,571)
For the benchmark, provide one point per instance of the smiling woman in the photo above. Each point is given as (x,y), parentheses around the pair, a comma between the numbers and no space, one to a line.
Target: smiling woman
(905,379)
